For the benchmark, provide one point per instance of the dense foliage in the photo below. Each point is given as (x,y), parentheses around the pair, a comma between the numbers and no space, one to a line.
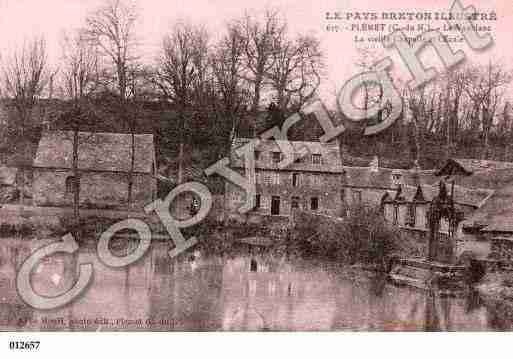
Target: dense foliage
(362,237)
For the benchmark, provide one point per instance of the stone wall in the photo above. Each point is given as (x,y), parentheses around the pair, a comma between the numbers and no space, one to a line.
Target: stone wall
(369,196)
(323,186)
(502,248)
(97,190)
(402,214)
(144,190)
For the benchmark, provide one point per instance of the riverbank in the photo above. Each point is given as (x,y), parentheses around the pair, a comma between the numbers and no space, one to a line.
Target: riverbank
(27,221)
(361,238)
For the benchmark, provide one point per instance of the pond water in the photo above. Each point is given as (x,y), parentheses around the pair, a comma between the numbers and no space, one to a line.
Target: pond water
(247,292)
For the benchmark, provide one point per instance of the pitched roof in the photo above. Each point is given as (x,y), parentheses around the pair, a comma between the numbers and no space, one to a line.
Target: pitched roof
(469,166)
(330,153)
(367,177)
(491,179)
(475,165)
(96,151)
(496,214)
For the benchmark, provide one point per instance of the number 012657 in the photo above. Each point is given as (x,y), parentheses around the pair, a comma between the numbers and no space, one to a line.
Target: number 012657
(22,345)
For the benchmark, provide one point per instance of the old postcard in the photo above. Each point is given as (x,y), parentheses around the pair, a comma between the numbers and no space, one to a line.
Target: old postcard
(240,166)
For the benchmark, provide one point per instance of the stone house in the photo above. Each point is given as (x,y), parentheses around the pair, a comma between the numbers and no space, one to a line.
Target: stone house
(483,195)
(105,161)
(311,183)
(490,227)
(369,185)
(495,217)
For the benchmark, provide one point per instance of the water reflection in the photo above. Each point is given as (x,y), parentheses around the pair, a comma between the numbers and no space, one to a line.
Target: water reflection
(248,292)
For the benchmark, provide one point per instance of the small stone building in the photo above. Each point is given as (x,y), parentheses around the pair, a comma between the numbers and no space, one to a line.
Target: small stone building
(491,226)
(368,185)
(311,183)
(408,207)
(105,163)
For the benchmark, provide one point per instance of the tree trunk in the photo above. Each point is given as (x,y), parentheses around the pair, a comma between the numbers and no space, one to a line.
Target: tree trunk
(21,186)
(131,123)
(181,146)
(256,97)
(256,102)
(180,163)
(76,184)
(418,142)
(132,165)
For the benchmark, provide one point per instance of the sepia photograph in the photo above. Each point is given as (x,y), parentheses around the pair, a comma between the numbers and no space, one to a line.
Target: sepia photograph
(239,166)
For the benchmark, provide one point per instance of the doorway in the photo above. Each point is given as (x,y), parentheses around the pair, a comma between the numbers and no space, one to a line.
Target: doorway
(275,206)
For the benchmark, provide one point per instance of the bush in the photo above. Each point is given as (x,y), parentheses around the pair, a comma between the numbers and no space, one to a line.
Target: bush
(362,237)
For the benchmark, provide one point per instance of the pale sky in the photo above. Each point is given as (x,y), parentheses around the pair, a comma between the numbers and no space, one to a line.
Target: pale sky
(20,19)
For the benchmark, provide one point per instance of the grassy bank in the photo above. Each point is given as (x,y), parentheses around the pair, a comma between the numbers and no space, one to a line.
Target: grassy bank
(362,237)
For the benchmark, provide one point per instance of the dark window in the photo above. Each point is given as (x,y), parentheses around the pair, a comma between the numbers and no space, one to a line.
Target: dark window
(71,181)
(412,209)
(314,203)
(294,202)
(276,157)
(316,159)
(253,265)
(395,214)
(275,205)
(295,179)
(257,201)
(257,155)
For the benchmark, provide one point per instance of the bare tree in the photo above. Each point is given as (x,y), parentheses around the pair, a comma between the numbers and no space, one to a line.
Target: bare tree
(420,103)
(260,40)
(181,74)
(80,72)
(455,82)
(112,29)
(25,75)
(506,128)
(485,87)
(296,73)
(365,61)
(228,65)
